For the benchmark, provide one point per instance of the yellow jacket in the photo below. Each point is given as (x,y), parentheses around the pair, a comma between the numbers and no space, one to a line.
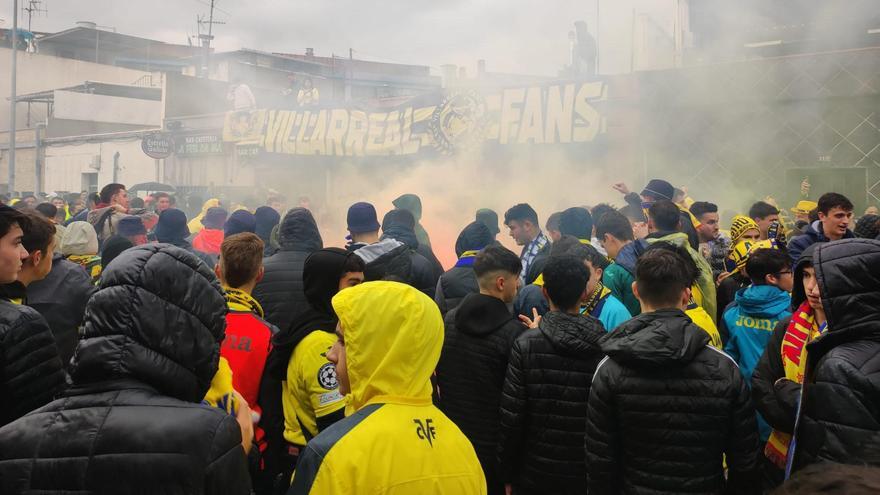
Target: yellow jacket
(394,441)
(195,225)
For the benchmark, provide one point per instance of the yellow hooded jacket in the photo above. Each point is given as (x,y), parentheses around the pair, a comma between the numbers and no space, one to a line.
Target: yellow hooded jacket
(195,225)
(394,441)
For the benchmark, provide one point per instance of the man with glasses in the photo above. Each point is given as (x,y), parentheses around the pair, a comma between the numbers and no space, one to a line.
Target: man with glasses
(750,319)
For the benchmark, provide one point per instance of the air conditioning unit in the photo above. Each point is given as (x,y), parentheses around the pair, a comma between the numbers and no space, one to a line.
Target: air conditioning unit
(96,162)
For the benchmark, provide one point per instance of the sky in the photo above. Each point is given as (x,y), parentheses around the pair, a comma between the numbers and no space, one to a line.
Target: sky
(514,36)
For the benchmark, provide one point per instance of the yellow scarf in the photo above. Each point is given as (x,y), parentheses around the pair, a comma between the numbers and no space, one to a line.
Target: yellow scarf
(800,332)
(239,300)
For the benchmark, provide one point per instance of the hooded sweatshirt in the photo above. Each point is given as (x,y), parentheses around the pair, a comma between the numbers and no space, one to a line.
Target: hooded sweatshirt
(310,392)
(664,410)
(394,440)
(461,280)
(413,204)
(80,245)
(195,225)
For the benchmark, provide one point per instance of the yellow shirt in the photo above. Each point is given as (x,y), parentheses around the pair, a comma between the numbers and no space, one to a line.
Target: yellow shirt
(311,390)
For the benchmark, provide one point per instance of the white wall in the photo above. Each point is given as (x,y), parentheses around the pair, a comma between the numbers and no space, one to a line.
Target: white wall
(109,109)
(38,72)
(65,164)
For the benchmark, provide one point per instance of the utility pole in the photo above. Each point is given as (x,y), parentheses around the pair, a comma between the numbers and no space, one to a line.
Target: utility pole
(207,38)
(12,100)
(33,7)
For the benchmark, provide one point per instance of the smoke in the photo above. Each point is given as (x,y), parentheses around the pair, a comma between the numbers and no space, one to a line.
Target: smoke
(452,190)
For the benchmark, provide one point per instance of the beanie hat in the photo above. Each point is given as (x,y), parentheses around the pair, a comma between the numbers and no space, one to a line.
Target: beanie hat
(266,218)
(172,226)
(740,225)
(113,247)
(659,189)
(240,221)
(214,218)
(488,218)
(576,222)
(130,225)
(362,218)
(868,227)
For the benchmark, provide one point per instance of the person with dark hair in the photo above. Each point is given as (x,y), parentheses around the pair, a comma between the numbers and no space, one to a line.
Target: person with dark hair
(50,211)
(132,228)
(666,410)
(163,201)
(764,214)
(530,301)
(836,420)
(664,222)
(132,419)
(113,247)
(615,235)
(394,440)
(777,378)
(713,245)
(112,206)
(661,190)
(247,343)
(541,435)
(552,226)
(595,213)
(31,372)
(281,290)
(208,239)
(60,297)
(748,321)
(600,304)
(578,223)
(310,395)
(490,219)
(479,336)
(835,215)
(172,229)
(266,219)
(426,269)
(525,229)
(867,227)
(460,280)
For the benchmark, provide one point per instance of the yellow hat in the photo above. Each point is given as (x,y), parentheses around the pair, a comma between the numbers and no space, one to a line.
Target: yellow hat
(739,226)
(804,207)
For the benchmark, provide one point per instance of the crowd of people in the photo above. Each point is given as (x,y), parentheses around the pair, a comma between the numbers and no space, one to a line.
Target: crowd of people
(633,349)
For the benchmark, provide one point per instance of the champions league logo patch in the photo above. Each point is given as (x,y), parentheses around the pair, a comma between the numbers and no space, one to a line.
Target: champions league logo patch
(327,376)
(459,122)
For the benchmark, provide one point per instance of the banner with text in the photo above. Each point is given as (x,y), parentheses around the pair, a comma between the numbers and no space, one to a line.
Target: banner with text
(438,123)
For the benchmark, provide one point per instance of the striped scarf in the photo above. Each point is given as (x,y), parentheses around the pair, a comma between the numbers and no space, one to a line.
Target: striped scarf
(241,301)
(466,259)
(801,331)
(529,254)
(599,294)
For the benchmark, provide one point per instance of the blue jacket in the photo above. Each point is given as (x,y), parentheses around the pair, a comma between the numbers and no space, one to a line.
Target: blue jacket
(812,234)
(749,321)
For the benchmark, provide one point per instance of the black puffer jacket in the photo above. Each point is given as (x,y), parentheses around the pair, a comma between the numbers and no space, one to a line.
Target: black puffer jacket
(424,273)
(470,374)
(840,416)
(61,298)
(460,280)
(31,373)
(281,290)
(131,422)
(544,404)
(664,408)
